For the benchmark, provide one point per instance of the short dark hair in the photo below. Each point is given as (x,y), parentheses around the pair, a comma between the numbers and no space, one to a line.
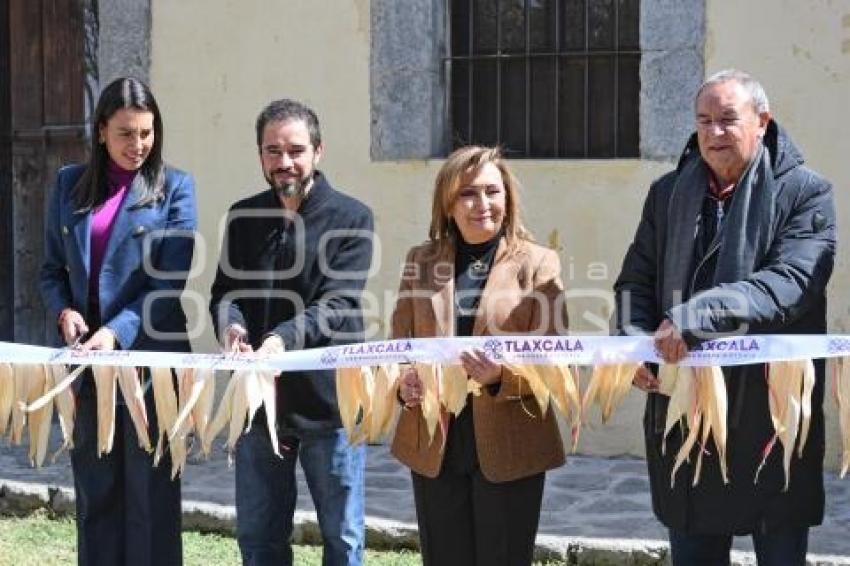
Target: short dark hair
(284,110)
(130,93)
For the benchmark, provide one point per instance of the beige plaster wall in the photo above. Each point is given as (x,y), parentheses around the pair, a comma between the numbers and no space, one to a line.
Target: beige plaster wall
(215,64)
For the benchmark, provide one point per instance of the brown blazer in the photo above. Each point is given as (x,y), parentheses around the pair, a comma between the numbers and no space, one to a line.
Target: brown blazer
(523,295)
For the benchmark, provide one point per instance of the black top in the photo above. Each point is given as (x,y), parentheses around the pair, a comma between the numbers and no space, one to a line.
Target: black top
(287,285)
(472,269)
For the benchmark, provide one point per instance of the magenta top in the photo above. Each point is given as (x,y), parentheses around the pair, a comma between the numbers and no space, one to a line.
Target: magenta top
(103,216)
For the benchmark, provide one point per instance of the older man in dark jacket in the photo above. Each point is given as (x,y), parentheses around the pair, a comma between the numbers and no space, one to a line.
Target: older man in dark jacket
(739,239)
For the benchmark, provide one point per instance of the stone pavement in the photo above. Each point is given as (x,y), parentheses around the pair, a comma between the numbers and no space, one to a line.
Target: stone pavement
(591,505)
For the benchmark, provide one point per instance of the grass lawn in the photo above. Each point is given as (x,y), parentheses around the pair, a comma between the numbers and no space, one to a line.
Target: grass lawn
(40,541)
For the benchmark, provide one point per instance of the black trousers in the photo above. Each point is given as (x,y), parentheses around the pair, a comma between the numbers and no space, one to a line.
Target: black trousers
(466,520)
(128,512)
(786,547)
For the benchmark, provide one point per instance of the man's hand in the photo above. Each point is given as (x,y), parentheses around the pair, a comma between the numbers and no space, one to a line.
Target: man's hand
(72,325)
(481,368)
(103,339)
(669,342)
(271,345)
(645,380)
(234,339)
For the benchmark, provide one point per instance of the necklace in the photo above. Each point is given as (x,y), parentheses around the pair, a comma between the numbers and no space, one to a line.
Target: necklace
(478,268)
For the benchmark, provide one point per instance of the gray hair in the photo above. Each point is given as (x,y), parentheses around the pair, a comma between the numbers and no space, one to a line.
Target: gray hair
(752,86)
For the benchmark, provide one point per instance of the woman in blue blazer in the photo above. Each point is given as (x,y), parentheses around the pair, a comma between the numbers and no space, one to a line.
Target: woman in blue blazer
(118,249)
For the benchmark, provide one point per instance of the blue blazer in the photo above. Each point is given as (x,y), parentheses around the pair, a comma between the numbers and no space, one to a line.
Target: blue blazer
(145,266)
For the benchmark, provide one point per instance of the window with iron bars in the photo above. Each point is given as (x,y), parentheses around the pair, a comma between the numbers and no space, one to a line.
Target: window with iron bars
(545,78)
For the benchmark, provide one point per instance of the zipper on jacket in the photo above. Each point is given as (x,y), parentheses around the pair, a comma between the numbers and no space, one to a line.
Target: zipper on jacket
(711,251)
(715,245)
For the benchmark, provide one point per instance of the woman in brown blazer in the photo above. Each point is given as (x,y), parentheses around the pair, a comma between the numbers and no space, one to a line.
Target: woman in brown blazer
(478,491)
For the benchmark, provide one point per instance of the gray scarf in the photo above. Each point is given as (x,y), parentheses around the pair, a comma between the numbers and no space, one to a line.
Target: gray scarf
(744,237)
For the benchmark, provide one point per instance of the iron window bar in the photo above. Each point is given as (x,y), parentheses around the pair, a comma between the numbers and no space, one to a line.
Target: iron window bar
(557,55)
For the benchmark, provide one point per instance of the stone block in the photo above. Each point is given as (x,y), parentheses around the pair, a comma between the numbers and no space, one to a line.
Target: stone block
(19,498)
(669,81)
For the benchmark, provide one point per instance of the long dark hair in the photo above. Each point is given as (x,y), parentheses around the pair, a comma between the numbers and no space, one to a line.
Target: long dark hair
(91,189)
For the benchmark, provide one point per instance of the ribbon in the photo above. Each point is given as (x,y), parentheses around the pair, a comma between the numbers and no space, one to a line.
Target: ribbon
(573,350)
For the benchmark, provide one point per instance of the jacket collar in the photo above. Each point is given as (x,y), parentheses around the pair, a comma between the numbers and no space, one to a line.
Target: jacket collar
(443,281)
(122,226)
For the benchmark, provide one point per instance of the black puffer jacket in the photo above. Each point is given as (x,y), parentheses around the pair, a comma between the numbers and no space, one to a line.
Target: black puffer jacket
(773,255)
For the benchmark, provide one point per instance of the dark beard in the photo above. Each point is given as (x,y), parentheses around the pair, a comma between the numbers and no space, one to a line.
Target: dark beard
(296,188)
(289,190)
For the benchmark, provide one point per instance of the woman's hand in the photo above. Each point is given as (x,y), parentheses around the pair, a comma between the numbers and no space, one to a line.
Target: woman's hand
(410,387)
(103,339)
(72,325)
(481,368)
(645,380)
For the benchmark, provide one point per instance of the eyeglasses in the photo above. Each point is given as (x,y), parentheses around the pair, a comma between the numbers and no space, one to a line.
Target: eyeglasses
(706,123)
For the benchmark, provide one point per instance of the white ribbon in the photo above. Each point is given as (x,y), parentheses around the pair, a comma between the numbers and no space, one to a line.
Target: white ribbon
(574,350)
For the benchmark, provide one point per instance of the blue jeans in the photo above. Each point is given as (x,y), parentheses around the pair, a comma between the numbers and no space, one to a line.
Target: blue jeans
(266,494)
(786,547)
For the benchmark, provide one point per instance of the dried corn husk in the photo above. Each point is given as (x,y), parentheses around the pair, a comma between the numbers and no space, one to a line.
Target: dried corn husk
(562,384)
(454,388)
(253,396)
(348,397)
(698,400)
(31,382)
(383,405)
(608,385)
(104,382)
(680,384)
(246,401)
(59,380)
(7,395)
(166,406)
(238,410)
(134,398)
(246,392)
(188,391)
(39,420)
(841,388)
(202,410)
(711,396)
(268,396)
(668,374)
(66,406)
(531,376)
(364,390)
(24,374)
(429,375)
(222,415)
(790,384)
